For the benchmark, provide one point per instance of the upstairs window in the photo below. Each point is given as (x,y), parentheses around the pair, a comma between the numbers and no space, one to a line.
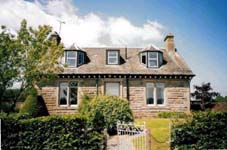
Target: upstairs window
(152,59)
(74,58)
(112,57)
(71,58)
(80,58)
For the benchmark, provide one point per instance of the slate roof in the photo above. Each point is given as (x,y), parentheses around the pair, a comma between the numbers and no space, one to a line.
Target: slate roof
(175,64)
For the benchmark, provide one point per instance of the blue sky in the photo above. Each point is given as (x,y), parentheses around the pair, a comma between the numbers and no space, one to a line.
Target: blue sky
(199,26)
(200,29)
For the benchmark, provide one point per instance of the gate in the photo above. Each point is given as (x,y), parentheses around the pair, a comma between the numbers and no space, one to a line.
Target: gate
(133,136)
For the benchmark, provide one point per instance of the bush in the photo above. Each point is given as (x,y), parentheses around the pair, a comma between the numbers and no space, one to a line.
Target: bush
(206,131)
(105,111)
(52,132)
(30,106)
(172,115)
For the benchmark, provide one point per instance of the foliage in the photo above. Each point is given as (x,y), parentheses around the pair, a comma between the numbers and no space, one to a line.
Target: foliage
(52,132)
(33,105)
(105,111)
(30,106)
(9,60)
(84,105)
(207,130)
(172,115)
(221,99)
(30,58)
(205,94)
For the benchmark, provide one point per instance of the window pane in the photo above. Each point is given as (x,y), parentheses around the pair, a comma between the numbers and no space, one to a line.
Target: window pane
(143,58)
(112,60)
(71,62)
(73,93)
(112,53)
(153,55)
(153,63)
(160,95)
(71,54)
(160,55)
(63,93)
(81,58)
(150,93)
(112,89)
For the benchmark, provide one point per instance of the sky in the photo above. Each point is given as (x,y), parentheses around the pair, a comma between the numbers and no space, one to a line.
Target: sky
(199,27)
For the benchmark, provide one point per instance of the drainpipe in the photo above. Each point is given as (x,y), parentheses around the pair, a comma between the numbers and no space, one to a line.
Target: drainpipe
(127,89)
(97,86)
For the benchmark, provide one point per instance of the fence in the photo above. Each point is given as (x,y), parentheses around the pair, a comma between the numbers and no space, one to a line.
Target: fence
(133,136)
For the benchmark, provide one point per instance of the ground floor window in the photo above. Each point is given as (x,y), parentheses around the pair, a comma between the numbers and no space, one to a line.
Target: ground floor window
(155,94)
(112,88)
(68,93)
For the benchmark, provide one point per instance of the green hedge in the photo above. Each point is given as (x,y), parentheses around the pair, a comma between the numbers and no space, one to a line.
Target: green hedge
(52,132)
(206,131)
(172,115)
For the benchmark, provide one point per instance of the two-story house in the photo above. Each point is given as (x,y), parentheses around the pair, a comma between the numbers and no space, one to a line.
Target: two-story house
(151,79)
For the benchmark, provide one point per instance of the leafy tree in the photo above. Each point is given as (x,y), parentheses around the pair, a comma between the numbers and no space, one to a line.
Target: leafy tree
(9,60)
(205,94)
(37,55)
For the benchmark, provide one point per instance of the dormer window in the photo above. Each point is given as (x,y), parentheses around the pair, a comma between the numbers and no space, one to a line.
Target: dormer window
(152,59)
(70,58)
(74,58)
(112,57)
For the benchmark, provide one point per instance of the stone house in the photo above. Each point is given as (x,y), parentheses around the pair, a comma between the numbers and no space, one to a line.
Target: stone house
(151,79)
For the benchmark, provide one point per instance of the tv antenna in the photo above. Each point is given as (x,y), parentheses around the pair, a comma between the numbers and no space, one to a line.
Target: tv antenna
(60,22)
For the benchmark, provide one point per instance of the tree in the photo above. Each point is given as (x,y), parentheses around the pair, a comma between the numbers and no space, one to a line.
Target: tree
(9,60)
(38,57)
(205,94)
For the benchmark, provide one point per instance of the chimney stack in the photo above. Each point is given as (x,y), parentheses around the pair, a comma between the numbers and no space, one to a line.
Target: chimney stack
(169,42)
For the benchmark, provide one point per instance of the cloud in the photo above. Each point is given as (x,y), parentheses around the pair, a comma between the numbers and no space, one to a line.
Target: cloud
(88,30)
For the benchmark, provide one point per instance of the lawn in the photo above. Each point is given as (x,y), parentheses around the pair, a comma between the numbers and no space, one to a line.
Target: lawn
(159,132)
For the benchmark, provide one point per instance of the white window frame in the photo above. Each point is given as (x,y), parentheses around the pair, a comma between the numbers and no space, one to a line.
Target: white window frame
(148,60)
(155,86)
(68,94)
(71,58)
(115,57)
(119,87)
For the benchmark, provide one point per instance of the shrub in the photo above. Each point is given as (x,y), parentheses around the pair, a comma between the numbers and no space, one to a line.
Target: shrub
(172,115)
(105,111)
(206,131)
(30,106)
(84,105)
(52,132)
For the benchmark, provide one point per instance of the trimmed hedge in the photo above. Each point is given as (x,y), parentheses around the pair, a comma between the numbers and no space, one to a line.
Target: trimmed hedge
(30,106)
(172,115)
(52,132)
(206,131)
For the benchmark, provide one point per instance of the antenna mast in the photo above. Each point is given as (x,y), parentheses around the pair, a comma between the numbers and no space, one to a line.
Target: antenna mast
(60,22)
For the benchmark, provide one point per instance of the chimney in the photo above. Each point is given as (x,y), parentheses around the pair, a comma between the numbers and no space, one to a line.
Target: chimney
(169,42)
(55,36)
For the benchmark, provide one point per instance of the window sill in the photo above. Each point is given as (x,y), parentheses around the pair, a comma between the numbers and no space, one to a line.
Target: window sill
(156,106)
(67,107)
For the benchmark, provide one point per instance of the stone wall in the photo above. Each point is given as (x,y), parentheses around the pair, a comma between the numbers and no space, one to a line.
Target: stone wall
(176,93)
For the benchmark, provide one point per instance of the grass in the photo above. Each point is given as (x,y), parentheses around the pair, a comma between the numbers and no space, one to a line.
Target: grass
(160,132)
